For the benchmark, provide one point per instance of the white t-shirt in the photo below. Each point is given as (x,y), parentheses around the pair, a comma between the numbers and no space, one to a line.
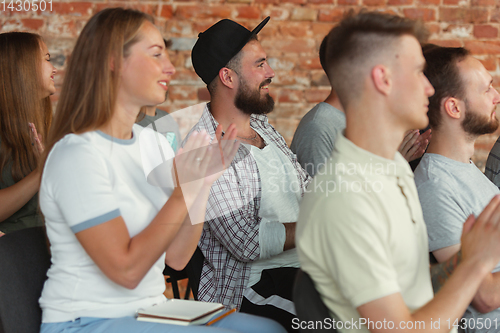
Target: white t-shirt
(90,179)
(361,235)
(281,195)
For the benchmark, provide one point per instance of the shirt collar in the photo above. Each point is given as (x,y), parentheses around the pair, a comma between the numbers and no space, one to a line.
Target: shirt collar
(371,163)
(210,123)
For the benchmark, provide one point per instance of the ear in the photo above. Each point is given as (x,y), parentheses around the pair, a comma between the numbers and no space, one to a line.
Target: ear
(453,107)
(227,77)
(381,77)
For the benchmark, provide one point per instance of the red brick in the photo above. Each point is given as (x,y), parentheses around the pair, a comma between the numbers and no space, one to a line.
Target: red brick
(32,24)
(182,92)
(433,28)
(451,2)
(186,77)
(310,63)
(167,11)
(73,8)
(320,30)
(279,14)
(274,2)
(316,95)
(297,2)
(287,109)
(373,2)
(331,15)
(424,14)
(284,78)
(489,63)
(295,29)
(178,59)
(321,1)
(483,3)
(291,46)
(203,94)
(202,12)
(477,47)
(496,82)
(447,43)
(429,2)
(271,31)
(399,2)
(146,8)
(495,15)
(485,31)
(388,10)
(248,12)
(463,15)
(304,14)
(348,2)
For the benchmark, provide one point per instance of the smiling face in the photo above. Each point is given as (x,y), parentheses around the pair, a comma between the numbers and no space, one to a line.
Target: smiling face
(254,76)
(411,89)
(48,72)
(481,98)
(146,70)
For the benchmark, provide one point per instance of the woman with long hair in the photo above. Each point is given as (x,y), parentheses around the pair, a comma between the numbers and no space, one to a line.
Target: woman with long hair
(111,226)
(26,82)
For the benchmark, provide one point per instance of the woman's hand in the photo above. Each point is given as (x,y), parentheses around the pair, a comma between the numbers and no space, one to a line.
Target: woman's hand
(199,164)
(36,140)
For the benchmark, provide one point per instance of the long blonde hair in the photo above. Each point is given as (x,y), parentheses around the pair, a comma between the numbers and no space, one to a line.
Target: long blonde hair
(90,86)
(20,103)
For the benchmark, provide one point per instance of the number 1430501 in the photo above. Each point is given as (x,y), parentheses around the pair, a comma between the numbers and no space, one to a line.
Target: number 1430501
(25,5)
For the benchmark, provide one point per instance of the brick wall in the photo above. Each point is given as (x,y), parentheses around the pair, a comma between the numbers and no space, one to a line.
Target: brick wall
(291,39)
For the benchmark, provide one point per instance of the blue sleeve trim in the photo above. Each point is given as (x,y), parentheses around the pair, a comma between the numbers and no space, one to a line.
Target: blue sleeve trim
(95,221)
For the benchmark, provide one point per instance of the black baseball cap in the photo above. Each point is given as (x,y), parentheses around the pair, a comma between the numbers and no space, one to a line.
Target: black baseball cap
(219,44)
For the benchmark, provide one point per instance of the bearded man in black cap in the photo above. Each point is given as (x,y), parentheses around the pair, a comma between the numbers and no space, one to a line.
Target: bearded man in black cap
(249,234)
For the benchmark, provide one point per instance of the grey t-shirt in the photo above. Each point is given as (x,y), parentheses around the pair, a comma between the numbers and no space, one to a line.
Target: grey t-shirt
(163,123)
(449,191)
(492,170)
(315,136)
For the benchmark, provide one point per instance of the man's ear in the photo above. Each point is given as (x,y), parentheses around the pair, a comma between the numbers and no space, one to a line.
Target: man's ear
(112,63)
(227,77)
(453,107)
(381,77)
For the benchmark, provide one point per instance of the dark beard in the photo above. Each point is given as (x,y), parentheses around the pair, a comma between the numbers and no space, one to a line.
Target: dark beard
(250,102)
(476,125)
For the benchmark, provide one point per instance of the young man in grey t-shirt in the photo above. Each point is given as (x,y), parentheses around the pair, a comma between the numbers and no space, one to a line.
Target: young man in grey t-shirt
(317,132)
(449,185)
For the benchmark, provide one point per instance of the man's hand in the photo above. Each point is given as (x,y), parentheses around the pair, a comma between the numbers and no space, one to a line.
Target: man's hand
(414,144)
(481,236)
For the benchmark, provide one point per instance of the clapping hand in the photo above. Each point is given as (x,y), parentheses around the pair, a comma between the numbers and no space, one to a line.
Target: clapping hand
(199,164)
(36,140)
(414,144)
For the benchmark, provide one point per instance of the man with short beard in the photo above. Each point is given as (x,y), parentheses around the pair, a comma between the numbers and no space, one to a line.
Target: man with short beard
(248,237)
(449,185)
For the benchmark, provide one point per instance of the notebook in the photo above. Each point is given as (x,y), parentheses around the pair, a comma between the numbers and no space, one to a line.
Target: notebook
(180,312)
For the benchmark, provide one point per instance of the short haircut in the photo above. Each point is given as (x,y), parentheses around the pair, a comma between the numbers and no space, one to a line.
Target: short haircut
(322,55)
(234,64)
(443,73)
(357,42)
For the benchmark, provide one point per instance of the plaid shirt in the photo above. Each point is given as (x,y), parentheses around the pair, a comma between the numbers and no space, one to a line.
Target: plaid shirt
(230,239)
